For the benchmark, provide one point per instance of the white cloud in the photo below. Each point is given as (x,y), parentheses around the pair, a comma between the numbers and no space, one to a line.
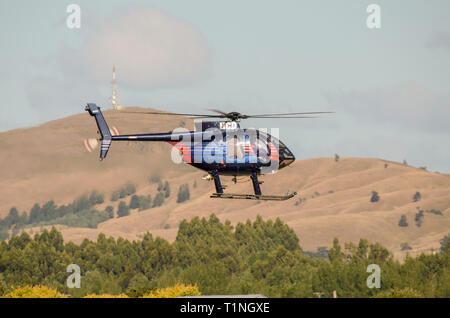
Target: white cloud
(150,48)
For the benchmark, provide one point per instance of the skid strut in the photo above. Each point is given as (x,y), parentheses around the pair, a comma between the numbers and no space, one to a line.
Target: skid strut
(219,188)
(257,196)
(255,182)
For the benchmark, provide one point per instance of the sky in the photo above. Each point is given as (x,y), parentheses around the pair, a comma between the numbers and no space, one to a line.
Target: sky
(389,86)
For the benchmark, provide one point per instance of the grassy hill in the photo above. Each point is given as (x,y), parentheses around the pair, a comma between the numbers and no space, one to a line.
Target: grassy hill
(49,163)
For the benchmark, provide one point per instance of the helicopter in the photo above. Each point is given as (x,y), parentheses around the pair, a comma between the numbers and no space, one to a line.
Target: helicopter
(218,147)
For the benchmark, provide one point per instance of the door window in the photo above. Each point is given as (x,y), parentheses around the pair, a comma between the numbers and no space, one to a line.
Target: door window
(235,148)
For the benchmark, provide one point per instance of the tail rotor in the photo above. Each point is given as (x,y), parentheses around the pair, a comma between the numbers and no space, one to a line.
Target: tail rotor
(90,144)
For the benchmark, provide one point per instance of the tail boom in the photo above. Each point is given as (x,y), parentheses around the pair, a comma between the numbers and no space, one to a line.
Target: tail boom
(108,136)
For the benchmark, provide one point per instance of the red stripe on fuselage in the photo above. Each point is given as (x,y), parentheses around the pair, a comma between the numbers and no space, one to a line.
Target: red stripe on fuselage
(185,150)
(273,152)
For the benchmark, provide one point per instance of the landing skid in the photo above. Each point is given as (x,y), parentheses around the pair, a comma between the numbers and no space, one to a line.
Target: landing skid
(257,196)
(252,196)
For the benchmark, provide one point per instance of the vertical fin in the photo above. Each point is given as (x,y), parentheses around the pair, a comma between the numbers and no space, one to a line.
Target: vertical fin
(95,111)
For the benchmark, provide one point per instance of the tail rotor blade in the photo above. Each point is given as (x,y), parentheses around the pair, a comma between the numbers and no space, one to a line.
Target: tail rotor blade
(90,144)
(114,131)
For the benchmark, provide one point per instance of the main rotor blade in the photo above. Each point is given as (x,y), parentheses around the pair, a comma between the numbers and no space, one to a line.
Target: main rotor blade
(289,114)
(217,111)
(263,117)
(174,114)
(228,115)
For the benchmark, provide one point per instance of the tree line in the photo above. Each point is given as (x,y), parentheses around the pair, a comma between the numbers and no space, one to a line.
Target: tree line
(259,257)
(82,213)
(79,213)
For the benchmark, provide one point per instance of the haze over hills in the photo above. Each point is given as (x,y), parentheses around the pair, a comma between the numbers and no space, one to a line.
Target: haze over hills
(49,163)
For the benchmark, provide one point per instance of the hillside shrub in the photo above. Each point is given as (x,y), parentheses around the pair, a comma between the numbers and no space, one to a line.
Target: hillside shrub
(134,202)
(445,243)
(96,198)
(434,211)
(403,221)
(183,193)
(166,189)
(375,197)
(419,217)
(123,209)
(110,211)
(405,247)
(158,200)
(144,202)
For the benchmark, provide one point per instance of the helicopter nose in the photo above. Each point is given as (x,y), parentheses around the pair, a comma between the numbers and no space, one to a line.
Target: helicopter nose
(286,157)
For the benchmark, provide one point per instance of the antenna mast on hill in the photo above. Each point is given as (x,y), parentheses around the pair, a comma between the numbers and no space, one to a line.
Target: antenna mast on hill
(114,104)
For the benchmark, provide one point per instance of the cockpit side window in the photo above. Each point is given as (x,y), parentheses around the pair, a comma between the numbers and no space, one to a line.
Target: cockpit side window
(262,150)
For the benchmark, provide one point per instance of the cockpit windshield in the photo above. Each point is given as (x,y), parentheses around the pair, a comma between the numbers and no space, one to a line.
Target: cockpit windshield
(260,144)
(285,155)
